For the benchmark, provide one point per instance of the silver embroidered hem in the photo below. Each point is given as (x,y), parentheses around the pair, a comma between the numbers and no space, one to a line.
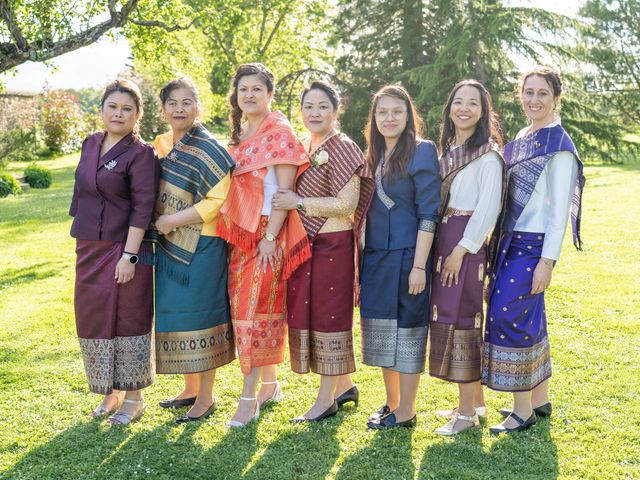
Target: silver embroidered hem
(121,363)
(385,345)
(428,226)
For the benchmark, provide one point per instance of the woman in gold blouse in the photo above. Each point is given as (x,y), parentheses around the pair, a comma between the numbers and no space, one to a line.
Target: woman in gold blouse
(332,197)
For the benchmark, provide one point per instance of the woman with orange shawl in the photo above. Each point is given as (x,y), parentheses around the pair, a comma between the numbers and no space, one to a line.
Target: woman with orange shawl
(266,244)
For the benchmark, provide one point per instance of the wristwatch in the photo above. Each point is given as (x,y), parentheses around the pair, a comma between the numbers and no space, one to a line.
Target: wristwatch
(132,258)
(270,237)
(300,205)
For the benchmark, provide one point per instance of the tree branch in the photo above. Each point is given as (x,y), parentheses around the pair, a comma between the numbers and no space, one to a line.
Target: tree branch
(159,24)
(227,53)
(262,50)
(18,52)
(7,15)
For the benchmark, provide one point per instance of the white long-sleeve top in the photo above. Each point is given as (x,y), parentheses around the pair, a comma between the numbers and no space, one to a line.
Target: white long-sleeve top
(549,206)
(270,189)
(477,188)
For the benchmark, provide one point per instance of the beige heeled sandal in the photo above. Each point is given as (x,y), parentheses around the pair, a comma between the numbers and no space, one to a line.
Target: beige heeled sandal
(256,415)
(447,429)
(101,410)
(122,418)
(277,396)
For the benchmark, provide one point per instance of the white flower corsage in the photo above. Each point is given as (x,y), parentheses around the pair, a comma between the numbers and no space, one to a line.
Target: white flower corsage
(320,158)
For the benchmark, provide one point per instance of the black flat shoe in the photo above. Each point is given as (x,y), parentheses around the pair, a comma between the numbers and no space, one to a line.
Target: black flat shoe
(380,413)
(329,412)
(390,422)
(351,395)
(175,403)
(187,418)
(541,411)
(522,424)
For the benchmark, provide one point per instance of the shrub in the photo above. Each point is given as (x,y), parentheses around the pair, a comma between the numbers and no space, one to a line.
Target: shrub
(62,121)
(9,185)
(37,176)
(18,145)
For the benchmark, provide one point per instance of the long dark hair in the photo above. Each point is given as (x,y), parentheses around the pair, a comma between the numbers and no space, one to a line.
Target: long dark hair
(122,85)
(406,145)
(235,116)
(487,128)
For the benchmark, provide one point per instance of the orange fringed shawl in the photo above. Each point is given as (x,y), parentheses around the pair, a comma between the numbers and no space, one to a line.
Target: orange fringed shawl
(273,144)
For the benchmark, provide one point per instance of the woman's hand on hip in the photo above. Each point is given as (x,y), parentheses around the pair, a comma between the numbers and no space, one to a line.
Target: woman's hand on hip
(285,199)
(165,224)
(451,267)
(541,276)
(125,271)
(417,281)
(266,252)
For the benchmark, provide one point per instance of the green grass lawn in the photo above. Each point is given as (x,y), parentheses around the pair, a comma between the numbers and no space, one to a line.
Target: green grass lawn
(593,308)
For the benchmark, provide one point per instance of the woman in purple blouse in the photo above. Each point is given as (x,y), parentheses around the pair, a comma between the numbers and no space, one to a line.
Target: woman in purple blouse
(113,200)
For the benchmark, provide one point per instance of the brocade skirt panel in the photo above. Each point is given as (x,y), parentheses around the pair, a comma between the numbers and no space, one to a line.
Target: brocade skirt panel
(258,308)
(456,313)
(516,353)
(320,305)
(113,321)
(193,326)
(394,323)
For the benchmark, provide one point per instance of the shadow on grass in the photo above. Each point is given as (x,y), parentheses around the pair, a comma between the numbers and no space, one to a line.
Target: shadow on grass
(18,276)
(308,451)
(524,455)
(94,451)
(388,456)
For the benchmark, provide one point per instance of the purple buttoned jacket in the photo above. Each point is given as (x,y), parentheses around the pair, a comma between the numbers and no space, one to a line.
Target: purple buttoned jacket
(114,192)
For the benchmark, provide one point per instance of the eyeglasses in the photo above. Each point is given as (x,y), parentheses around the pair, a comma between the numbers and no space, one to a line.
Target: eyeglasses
(382,114)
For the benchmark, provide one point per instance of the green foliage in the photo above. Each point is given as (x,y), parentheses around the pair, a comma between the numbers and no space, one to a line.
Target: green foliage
(38,176)
(466,39)
(285,35)
(62,121)
(9,185)
(610,41)
(592,307)
(88,98)
(18,145)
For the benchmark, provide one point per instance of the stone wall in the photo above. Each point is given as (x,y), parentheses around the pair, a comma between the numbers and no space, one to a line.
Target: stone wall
(18,109)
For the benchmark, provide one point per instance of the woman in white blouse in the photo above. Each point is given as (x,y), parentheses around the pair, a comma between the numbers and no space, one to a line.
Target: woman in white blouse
(473,177)
(545,187)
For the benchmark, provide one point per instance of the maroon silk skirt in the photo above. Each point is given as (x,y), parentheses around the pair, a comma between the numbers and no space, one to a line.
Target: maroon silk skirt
(456,312)
(113,321)
(320,307)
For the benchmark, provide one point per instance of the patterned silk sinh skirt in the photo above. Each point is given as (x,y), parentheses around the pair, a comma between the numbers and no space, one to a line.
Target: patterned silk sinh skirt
(394,323)
(516,346)
(193,328)
(258,307)
(113,321)
(320,304)
(455,330)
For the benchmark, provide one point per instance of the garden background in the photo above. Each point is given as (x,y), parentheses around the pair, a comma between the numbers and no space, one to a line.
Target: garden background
(593,304)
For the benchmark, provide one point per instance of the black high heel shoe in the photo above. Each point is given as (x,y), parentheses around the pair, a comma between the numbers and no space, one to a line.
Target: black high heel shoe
(329,412)
(541,411)
(522,424)
(351,395)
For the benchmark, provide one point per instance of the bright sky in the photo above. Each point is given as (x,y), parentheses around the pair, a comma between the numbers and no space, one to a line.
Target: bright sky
(95,65)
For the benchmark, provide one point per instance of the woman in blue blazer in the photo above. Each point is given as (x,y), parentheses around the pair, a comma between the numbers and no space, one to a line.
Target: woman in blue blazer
(400,228)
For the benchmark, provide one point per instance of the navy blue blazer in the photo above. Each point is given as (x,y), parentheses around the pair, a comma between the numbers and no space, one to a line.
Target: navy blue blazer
(115,191)
(406,203)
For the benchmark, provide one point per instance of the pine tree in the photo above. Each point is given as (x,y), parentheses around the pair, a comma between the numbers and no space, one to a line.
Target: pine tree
(483,39)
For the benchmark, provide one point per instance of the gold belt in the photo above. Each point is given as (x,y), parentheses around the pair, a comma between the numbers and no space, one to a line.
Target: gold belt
(454,212)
